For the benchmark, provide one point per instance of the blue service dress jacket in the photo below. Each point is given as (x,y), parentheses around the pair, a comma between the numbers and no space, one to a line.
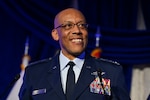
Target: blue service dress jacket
(42,81)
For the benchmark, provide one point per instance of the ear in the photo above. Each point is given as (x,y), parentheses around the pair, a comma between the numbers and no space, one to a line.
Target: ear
(54,34)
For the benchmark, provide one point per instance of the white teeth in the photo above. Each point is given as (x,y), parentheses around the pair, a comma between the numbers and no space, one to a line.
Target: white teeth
(76,40)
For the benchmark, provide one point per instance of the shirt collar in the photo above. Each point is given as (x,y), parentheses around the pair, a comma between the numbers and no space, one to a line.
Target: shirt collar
(64,60)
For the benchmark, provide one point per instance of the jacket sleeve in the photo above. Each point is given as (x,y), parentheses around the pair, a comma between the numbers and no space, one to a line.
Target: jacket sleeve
(25,91)
(119,90)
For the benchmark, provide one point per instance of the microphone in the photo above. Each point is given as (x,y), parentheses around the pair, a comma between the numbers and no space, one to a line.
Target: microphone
(99,72)
(10,85)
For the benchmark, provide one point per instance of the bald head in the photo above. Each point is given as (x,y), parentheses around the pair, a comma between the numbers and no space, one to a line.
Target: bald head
(66,14)
(71,32)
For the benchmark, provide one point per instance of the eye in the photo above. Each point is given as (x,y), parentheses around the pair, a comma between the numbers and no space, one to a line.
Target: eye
(82,25)
(68,26)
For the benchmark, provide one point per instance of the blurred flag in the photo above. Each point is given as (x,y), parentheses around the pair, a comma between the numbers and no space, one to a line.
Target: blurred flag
(97,51)
(13,95)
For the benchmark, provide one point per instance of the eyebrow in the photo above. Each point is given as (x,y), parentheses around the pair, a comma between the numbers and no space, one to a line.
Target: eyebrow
(77,22)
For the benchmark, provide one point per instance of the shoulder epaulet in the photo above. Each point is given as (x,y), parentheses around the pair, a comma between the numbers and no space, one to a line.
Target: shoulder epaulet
(111,61)
(40,61)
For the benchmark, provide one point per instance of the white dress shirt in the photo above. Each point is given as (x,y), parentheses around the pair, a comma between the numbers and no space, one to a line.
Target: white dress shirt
(64,69)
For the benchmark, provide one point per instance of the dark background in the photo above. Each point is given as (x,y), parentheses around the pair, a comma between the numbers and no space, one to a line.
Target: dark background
(120,40)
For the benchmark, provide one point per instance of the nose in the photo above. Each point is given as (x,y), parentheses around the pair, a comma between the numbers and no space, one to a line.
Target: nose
(76,30)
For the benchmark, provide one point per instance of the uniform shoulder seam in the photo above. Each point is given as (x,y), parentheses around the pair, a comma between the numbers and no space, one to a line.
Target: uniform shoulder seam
(40,61)
(111,61)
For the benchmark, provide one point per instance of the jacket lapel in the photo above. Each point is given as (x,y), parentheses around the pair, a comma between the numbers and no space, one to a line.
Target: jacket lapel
(85,77)
(83,82)
(54,78)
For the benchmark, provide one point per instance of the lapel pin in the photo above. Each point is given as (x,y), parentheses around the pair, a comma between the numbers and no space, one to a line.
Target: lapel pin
(54,67)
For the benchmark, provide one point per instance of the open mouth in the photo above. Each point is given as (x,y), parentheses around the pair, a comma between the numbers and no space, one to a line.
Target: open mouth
(77,40)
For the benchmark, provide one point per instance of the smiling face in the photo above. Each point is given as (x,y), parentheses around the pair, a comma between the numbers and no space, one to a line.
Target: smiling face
(72,34)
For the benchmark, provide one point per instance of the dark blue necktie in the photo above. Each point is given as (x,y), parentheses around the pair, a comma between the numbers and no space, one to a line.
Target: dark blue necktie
(70,80)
